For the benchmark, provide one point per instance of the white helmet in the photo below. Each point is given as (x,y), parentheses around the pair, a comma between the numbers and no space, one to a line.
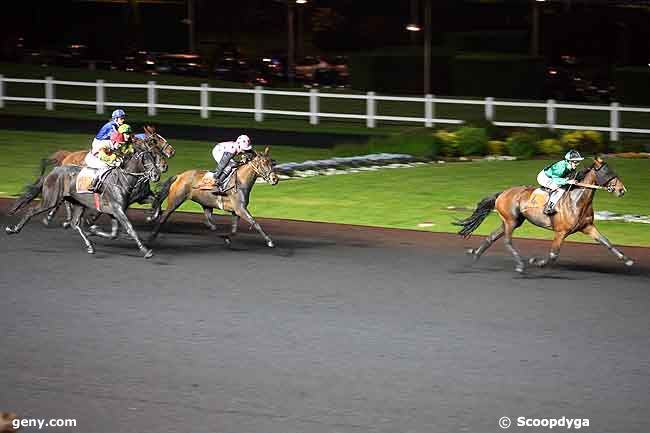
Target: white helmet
(243,142)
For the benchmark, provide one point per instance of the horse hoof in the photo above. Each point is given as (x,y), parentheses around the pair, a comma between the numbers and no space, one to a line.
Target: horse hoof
(11,230)
(629,262)
(66,225)
(90,250)
(520,269)
(470,252)
(148,254)
(227,241)
(270,244)
(46,221)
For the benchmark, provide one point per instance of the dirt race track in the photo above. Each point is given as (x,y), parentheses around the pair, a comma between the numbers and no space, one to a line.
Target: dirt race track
(338,329)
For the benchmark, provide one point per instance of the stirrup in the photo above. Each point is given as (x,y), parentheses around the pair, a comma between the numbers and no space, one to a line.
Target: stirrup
(549,210)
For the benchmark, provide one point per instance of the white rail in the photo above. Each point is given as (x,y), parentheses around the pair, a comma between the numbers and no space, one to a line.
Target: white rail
(314,98)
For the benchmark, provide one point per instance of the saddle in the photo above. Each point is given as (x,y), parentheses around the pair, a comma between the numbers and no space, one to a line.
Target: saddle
(208,183)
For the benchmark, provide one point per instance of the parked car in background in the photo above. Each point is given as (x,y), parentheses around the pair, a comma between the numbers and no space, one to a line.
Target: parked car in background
(138,61)
(578,79)
(340,65)
(181,64)
(305,68)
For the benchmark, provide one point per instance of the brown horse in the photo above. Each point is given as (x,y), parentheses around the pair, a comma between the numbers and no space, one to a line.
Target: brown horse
(574,214)
(180,188)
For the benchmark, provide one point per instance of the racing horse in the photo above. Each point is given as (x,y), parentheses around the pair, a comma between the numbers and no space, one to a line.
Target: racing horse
(143,194)
(60,185)
(575,213)
(181,187)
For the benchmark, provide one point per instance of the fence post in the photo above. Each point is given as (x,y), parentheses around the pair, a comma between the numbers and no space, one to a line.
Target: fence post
(205,100)
(100,96)
(370,109)
(49,93)
(550,114)
(489,109)
(614,121)
(151,98)
(2,91)
(259,104)
(313,106)
(428,110)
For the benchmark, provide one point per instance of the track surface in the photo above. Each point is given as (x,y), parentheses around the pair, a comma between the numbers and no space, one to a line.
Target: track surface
(339,329)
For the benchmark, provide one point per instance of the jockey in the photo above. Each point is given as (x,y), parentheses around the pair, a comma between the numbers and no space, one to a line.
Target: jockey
(223,154)
(104,134)
(555,178)
(109,155)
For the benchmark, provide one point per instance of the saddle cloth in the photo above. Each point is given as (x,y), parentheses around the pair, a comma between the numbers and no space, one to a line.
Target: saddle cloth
(84,179)
(538,198)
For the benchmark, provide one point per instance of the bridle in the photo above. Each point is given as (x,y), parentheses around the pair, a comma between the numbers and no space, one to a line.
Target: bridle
(264,173)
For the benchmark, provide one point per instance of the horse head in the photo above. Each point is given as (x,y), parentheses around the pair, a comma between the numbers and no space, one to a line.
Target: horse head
(151,134)
(263,166)
(601,174)
(150,145)
(144,162)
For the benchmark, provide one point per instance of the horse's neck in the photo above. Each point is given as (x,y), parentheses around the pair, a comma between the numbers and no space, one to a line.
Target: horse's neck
(586,195)
(246,176)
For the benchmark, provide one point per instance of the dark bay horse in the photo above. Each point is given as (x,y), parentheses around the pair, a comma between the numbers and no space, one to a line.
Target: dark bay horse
(180,188)
(142,194)
(61,185)
(574,214)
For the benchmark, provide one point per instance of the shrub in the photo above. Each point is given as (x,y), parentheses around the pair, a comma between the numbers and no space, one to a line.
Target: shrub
(496,147)
(447,143)
(584,141)
(522,145)
(420,144)
(493,131)
(550,146)
(472,141)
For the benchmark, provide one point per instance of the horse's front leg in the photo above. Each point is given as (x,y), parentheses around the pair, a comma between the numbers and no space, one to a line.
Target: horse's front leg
(592,231)
(209,222)
(120,215)
(243,212)
(234,223)
(553,254)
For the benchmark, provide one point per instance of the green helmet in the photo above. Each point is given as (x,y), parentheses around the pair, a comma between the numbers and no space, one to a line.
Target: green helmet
(573,155)
(125,129)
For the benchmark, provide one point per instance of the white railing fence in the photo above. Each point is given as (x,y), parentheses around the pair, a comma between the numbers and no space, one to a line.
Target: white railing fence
(314,97)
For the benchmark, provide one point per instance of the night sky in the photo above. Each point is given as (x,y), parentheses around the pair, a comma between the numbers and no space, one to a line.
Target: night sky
(618,34)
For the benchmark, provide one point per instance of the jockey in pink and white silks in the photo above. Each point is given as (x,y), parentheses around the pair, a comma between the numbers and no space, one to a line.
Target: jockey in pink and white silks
(223,153)
(555,178)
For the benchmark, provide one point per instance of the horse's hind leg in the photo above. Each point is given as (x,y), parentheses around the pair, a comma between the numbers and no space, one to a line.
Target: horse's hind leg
(487,243)
(509,228)
(10,230)
(553,254)
(243,212)
(592,231)
(75,222)
(94,229)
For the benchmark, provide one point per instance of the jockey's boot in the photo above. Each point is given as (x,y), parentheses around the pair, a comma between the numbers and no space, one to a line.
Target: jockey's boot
(549,209)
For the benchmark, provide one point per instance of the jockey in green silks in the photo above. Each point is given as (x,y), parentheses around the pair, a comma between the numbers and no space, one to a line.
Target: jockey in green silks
(556,176)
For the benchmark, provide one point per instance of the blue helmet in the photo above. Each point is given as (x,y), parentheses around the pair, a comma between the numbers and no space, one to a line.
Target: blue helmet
(118,113)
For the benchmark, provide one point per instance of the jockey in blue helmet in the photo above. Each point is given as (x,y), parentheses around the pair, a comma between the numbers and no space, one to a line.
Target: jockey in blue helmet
(556,176)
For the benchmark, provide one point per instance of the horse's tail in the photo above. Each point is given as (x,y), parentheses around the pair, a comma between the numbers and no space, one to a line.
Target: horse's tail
(31,192)
(162,194)
(483,209)
(47,162)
